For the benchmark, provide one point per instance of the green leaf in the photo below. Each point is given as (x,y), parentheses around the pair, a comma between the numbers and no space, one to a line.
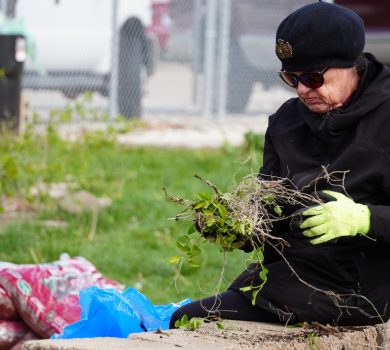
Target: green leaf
(220,325)
(174,259)
(269,198)
(295,325)
(200,205)
(182,243)
(208,212)
(193,262)
(195,323)
(191,229)
(195,251)
(204,196)
(277,210)
(222,210)
(258,255)
(263,274)
(183,322)
(210,222)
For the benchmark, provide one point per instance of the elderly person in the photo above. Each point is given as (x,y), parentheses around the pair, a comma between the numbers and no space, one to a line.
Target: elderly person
(340,122)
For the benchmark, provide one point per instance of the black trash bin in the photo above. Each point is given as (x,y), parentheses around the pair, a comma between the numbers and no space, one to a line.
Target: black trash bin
(12,57)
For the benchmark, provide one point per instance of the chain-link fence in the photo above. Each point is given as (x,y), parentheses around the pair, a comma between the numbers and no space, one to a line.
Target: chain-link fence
(230,47)
(144,57)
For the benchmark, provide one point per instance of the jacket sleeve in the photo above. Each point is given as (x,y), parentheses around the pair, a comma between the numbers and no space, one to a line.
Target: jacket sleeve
(380,213)
(270,165)
(380,222)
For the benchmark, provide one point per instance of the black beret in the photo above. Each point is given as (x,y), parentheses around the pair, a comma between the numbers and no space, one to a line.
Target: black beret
(320,35)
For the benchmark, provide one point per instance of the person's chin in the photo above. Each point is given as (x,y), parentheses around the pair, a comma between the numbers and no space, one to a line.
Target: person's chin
(318,107)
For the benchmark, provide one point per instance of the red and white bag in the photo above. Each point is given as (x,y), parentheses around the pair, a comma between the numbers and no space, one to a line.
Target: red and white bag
(46,296)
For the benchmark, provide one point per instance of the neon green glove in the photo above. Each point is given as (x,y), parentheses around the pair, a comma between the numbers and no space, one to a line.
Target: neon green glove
(336,218)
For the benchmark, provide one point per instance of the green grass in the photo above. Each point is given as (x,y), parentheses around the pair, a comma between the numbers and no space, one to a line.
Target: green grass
(134,237)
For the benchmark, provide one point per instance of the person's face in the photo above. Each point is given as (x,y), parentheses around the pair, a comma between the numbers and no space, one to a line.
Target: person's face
(339,85)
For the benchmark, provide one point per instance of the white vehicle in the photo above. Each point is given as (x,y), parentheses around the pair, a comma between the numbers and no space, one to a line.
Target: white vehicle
(73,40)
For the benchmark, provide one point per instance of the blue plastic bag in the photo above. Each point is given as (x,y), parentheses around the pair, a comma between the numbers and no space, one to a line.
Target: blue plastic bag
(110,313)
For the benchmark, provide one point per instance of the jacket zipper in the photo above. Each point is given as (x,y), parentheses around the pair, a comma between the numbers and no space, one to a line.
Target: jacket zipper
(324,119)
(326,140)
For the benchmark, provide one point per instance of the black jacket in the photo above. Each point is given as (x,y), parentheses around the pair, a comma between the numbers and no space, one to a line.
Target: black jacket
(354,141)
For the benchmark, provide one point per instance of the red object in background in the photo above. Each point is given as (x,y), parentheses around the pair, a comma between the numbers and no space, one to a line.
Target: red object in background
(375,13)
(161,22)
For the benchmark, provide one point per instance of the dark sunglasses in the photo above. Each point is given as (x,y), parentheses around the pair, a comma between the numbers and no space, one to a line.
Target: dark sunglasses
(312,80)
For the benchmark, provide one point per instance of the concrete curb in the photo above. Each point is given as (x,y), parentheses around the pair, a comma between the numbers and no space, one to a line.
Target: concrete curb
(235,335)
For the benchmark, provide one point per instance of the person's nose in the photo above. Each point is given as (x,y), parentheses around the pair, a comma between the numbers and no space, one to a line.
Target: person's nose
(302,89)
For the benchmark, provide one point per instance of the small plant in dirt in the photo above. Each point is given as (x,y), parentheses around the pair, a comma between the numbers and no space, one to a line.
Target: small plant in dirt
(189,324)
(242,217)
(195,323)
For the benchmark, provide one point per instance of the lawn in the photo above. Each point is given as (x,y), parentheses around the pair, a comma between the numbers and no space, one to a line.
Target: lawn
(134,237)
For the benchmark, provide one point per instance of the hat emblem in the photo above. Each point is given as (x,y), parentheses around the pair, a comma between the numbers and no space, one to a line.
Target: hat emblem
(283,49)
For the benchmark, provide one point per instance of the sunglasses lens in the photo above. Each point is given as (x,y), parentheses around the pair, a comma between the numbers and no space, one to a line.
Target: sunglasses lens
(312,80)
(289,79)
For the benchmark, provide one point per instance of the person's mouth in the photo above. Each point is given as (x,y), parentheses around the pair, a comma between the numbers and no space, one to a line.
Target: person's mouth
(312,100)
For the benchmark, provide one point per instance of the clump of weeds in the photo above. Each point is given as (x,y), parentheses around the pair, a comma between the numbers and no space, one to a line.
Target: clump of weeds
(242,217)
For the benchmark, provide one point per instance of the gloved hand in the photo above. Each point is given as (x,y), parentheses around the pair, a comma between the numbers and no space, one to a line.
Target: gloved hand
(336,218)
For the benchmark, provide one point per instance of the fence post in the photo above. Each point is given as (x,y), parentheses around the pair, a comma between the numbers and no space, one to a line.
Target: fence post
(223,55)
(113,93)
(209,57)
(197,49)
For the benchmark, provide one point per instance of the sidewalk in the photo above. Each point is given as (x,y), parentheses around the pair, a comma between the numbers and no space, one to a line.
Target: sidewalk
(184,132)
(195,132)
(235,335)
